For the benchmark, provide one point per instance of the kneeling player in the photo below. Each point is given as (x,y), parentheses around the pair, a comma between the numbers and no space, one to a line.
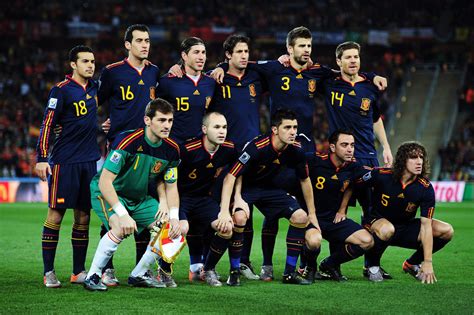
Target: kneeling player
(259,161)
(202,159)
(331,176)
(119,192)
(398,193)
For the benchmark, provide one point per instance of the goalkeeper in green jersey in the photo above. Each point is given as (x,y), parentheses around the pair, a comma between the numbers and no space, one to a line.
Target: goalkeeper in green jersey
(120,197)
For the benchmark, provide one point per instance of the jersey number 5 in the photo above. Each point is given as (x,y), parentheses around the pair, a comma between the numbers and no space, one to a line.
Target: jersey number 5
(384,200)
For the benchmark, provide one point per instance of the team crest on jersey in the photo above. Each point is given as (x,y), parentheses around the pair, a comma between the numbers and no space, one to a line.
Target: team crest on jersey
(312,86)
(252,90)
(345,185)
(411,207)
(157,167)
(365,104)
(208,101)
(152,93)
(218,172)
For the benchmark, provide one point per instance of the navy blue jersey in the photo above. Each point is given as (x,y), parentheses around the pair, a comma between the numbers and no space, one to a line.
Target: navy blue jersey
(238,99)
(329,182)
(74,107)
(126,91)
(199,169)
(259,161)
(353,106)
(190,100)
(293,89)
(396,202)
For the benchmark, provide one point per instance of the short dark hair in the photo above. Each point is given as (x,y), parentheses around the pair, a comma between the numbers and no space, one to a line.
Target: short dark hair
(74,52)
(205,119)
(346,46)
(128,37)
(232,41)
(190,42)
(297,32)
(281,114)
(334,137)
(158,105)
(406,151)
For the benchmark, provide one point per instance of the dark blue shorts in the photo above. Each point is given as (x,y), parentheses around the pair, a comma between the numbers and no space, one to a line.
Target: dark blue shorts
(69,185)
(406,234)
(273,203)
(337,232)
(198,210)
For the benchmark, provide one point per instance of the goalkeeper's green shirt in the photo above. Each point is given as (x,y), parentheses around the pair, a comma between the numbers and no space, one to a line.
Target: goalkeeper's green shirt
(137,161)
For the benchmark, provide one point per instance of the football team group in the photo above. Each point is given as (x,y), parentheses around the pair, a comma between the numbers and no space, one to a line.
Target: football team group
(186,163)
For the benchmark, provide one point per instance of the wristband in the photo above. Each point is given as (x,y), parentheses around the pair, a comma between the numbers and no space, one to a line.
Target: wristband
(428,260)
(119,209)
(174,213)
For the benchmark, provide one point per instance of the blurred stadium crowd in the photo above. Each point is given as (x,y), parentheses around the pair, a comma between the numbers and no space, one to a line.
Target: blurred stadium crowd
(36,36)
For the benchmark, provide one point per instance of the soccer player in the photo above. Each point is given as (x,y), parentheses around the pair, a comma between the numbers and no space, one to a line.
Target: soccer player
(202,160)
(332,174)
(238,98)
(191,95)
(120,192)
(125,89)
(351,103)
(259,161)
(398,193)
(69,169)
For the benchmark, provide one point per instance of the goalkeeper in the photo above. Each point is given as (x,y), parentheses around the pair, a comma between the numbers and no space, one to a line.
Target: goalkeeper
(119,192)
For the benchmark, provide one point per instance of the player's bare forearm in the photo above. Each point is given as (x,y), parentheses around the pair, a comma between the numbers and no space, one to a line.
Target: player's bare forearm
(345,201)
(227,188)
(172,195)
(308,195)
(160,189)
(379,131)
(107,188)
(426,236)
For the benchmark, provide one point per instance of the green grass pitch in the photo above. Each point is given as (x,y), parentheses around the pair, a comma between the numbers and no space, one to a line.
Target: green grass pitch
(22,291)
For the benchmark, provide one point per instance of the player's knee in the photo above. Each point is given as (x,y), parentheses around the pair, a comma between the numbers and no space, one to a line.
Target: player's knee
(313,239)
(298,218)
(226,235)
(448,232)
(366,241)
(240,218)
(386,231)
(55,216)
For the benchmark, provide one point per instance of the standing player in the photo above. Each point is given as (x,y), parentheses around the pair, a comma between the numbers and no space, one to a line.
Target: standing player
(125,89)
(332,174)
(191,95)
(202,160)
(260,160)
(398,193)
(72,103)
(120,191)
(351,103)
(238,98)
